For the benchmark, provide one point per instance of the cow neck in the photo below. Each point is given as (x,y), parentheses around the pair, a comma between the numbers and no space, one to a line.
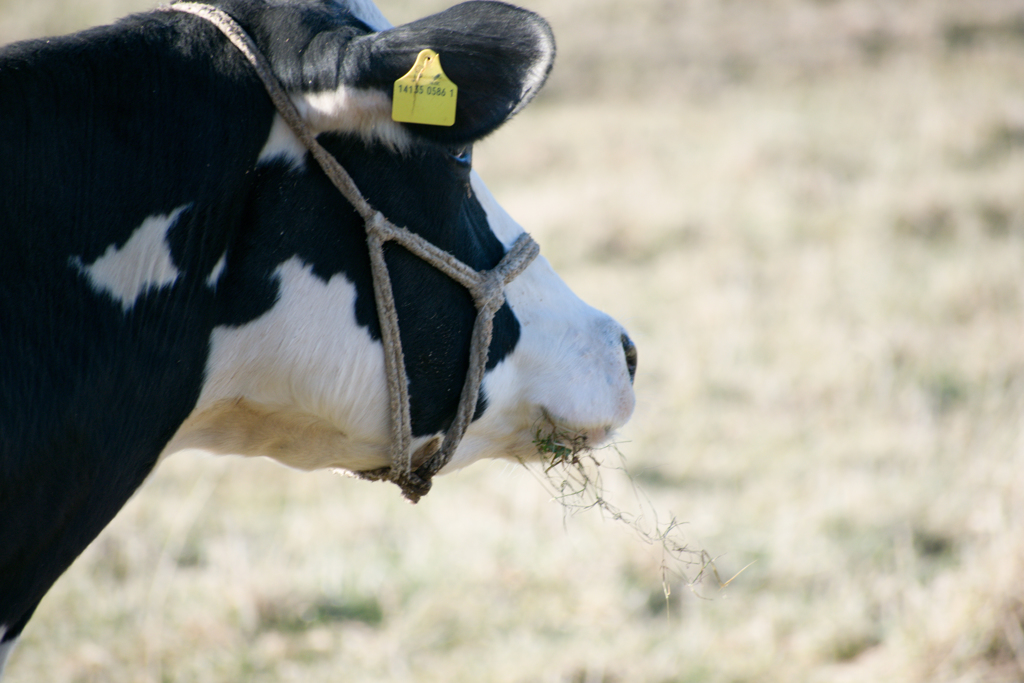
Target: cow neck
(486,287)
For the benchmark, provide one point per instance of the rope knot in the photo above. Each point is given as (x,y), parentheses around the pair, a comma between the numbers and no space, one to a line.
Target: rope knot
(378,225)
(489,291)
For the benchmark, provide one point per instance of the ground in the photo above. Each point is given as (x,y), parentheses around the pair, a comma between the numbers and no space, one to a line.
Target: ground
(809,214)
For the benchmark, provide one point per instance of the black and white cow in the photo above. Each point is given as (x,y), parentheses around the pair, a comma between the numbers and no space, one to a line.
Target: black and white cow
(175,271)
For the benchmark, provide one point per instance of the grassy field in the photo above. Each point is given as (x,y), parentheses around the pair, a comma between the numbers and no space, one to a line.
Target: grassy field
(810,215)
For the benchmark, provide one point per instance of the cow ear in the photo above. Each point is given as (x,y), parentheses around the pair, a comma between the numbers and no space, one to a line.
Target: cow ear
(498,55)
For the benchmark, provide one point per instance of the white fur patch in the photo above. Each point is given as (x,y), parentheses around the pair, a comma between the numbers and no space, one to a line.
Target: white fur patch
(143,263)
(303,383)
(282,145)
(5,649)
(218,270)
(502,225)
(366,113)
(362,112)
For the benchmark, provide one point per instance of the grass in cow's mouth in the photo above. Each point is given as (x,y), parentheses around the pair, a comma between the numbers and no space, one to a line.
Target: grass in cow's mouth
(560,447)
(574,473)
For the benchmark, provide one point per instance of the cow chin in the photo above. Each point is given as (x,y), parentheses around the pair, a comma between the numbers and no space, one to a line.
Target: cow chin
(535,396)
(523,442)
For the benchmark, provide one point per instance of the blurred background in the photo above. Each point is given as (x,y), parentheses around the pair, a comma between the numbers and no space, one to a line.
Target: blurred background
(810,216)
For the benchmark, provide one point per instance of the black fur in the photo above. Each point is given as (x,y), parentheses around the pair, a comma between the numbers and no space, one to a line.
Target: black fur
(104,128)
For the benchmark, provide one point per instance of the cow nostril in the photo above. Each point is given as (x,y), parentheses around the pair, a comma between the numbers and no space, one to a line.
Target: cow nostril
(630,349)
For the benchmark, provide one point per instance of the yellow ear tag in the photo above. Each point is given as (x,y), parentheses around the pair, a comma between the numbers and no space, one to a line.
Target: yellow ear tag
(425,94)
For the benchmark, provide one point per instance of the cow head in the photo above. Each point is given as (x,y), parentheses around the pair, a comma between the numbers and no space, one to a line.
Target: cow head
(295,370)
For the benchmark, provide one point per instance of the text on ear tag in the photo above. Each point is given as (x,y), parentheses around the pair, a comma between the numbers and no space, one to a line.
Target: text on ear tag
(425,94)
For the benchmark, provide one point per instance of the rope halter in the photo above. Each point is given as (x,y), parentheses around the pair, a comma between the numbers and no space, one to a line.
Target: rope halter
(486,287)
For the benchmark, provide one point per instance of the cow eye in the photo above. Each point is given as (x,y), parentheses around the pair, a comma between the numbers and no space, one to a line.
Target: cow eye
(463,156)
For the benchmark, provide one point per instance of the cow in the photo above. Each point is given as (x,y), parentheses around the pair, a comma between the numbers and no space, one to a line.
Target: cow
(176,273)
